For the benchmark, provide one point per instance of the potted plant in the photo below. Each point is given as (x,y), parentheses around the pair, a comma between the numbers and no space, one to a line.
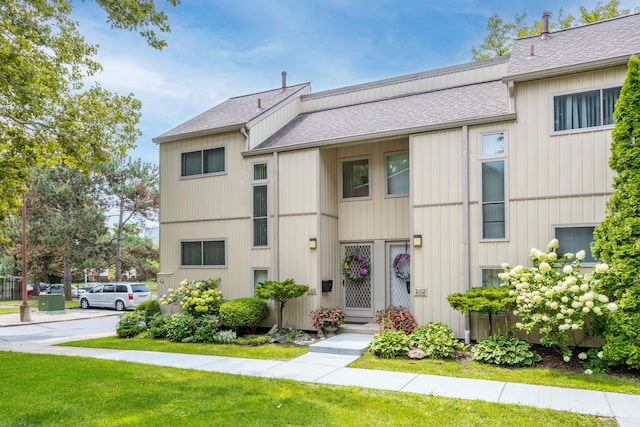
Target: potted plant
(327,319)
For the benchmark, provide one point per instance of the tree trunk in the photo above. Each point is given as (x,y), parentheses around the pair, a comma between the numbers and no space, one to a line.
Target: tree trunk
(119,243)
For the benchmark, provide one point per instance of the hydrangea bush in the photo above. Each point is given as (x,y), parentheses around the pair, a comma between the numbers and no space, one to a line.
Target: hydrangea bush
(554,296)
(196,297)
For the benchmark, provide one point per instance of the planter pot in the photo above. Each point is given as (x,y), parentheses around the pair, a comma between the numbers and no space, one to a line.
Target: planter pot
(329,331)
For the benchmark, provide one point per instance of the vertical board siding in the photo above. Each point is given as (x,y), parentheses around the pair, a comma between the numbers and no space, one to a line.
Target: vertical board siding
(379,217)
(298,182)
(274,121)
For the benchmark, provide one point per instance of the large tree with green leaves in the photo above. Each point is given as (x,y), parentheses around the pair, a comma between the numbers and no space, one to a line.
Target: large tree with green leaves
(66,228)
(501,34)
(131,188)
(617,238)
(47,114)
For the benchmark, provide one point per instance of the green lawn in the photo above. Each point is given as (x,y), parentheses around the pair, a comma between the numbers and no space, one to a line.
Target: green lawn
(9,307)
(73,391)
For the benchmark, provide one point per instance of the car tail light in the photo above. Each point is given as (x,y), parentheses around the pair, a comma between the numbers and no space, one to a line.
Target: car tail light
(131,297)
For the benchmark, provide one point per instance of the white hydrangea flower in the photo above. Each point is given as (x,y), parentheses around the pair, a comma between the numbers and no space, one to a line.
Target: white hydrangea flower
(602,268)
(538,277)
(588,371)
(584,287)
(581,255)
(600,355)
(568,255)
(612,306)
(554,244)
(603,298)
(519,325)
(552,256)
(565,299)
(544,267)
(566,358)
(553,305)
(582,356)
(567,269)
(575,326)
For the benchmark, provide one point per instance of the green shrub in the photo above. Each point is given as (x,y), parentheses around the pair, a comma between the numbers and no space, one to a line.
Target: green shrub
(436,339)
(179,326)
(397,319)
(224,337)
(131,325)
(196,297)
(205,328)
(253,340)
(389,344)
(158,327)
(243,313)
(149,309)
(505,350)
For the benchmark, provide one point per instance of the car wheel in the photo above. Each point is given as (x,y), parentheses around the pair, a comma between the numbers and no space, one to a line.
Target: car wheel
(119,305)
(84,303)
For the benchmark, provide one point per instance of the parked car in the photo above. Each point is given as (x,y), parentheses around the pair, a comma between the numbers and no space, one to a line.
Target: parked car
(86,288)
(59,289)
(121,296)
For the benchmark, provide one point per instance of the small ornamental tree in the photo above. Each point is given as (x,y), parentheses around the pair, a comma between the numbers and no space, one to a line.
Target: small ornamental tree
(616,238)
(281,292)
(485,299)
(554,296)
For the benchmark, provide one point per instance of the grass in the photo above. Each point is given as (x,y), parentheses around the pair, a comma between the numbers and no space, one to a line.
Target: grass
(8,306)
(263,352)
(74,391)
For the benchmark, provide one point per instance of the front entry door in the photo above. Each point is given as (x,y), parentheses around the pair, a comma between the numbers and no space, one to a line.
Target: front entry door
(399,279)
(358,292)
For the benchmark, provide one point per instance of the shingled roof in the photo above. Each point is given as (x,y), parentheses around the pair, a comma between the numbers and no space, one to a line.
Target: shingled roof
(602,43)
(436,109)
(234,112)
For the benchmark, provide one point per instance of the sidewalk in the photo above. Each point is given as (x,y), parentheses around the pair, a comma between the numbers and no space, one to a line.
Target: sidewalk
(37,316)
(324,365)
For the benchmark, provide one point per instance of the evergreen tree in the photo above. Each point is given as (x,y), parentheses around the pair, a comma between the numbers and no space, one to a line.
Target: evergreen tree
(617,238)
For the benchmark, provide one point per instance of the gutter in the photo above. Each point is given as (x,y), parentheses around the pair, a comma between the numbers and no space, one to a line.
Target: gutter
(276,219)
(373,137)
(181,136)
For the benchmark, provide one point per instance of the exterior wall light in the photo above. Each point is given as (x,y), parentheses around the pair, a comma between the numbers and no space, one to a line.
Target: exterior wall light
(417,240)
(313,243)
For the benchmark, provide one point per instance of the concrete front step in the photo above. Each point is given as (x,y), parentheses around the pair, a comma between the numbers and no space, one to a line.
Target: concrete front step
(343,343)
(354,328)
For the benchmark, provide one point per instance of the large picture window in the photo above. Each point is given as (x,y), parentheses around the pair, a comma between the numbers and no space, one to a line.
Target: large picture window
(203,162)
(585,109)
(203,253)
(398,174)
(575,238)
(493,193)
(260,211)
(355,178)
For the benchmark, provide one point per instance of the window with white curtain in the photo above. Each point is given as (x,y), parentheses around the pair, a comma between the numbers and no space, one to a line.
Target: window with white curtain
(574,238)
(398,174)
(355,178)
(260,212)
(493,193)
(585,109)
(203,253)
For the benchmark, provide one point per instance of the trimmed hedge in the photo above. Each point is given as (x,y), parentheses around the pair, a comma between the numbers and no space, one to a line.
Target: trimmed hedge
(243,313)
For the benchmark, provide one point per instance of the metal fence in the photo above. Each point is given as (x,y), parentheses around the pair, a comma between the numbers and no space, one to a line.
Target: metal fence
(10,288)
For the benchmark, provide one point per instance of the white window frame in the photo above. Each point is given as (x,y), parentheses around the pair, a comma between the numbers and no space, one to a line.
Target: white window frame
(554,227)
(492,158)
(226,253)
(386,177)
(253,275)
(552,97)
(258,183)
(202,150)
(482,268)
(341,181)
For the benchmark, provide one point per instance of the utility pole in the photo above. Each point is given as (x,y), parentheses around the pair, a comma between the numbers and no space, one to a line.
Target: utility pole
(25,308)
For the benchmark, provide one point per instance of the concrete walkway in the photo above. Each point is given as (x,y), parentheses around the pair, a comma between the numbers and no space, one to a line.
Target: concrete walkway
(326,363)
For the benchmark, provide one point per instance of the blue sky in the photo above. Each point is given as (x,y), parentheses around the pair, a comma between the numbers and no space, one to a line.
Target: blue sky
(224,48)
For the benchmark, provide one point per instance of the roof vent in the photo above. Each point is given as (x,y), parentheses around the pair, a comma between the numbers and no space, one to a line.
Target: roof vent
(531,54)
(545,25)
(259,104)
(284,80)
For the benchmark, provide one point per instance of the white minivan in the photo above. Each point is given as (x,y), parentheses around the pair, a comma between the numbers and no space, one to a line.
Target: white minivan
(121,296)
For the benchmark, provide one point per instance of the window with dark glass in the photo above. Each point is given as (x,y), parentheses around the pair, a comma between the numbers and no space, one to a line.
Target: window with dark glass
(204,253)
(574,239)
(493,186)
(260,211)
(398,174)
(203,162)
(355,178)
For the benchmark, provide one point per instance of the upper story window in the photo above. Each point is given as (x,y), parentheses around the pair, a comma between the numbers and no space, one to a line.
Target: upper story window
(260,202)
(203,253)
(355,179)
(584,109)
(203,162)
(398,174)
(493,185)
(574,238)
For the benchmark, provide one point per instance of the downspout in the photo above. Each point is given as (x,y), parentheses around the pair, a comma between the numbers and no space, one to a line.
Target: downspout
(276,219)
(465,226)
(243,131)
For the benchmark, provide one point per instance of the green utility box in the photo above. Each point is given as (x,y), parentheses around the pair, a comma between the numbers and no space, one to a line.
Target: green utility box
(50,303)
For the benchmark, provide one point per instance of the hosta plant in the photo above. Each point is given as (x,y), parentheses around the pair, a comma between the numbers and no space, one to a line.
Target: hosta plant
(505,350)
(436,339)
(389,344)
